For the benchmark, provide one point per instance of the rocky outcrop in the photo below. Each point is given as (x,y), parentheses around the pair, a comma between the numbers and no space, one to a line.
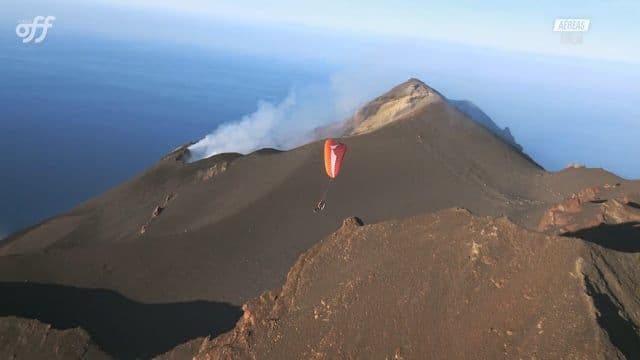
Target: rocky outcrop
(399,102)
(156,212)
(562,215)
(447,285)
(213,171)
(589,208)
(52,343)
(575,166)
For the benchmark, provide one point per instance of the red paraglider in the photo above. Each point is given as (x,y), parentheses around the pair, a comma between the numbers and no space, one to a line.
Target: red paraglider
(334,152)
(333,155)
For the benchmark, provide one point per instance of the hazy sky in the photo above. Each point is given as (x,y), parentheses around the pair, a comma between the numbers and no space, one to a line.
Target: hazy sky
(564,102)
(510,25)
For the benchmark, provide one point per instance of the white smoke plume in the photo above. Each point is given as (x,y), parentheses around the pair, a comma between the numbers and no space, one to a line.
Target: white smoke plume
(291,122)
(252,132)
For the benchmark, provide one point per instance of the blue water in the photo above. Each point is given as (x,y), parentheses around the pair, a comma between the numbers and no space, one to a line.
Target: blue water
(80,115)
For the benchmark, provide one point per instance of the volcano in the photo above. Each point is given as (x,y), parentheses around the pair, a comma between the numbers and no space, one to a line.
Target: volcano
(166,263)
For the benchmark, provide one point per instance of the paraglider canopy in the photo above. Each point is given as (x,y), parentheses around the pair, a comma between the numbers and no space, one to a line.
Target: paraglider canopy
(333,154)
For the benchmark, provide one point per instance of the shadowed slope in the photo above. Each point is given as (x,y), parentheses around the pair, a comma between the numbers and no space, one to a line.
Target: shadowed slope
(621,237)
(123,328)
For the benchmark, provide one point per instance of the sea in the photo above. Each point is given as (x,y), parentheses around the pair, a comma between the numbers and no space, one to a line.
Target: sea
(81,115)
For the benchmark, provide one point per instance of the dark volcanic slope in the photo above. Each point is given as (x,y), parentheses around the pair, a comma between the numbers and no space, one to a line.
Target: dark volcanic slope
(235,234)
(447,285)
(226,228)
